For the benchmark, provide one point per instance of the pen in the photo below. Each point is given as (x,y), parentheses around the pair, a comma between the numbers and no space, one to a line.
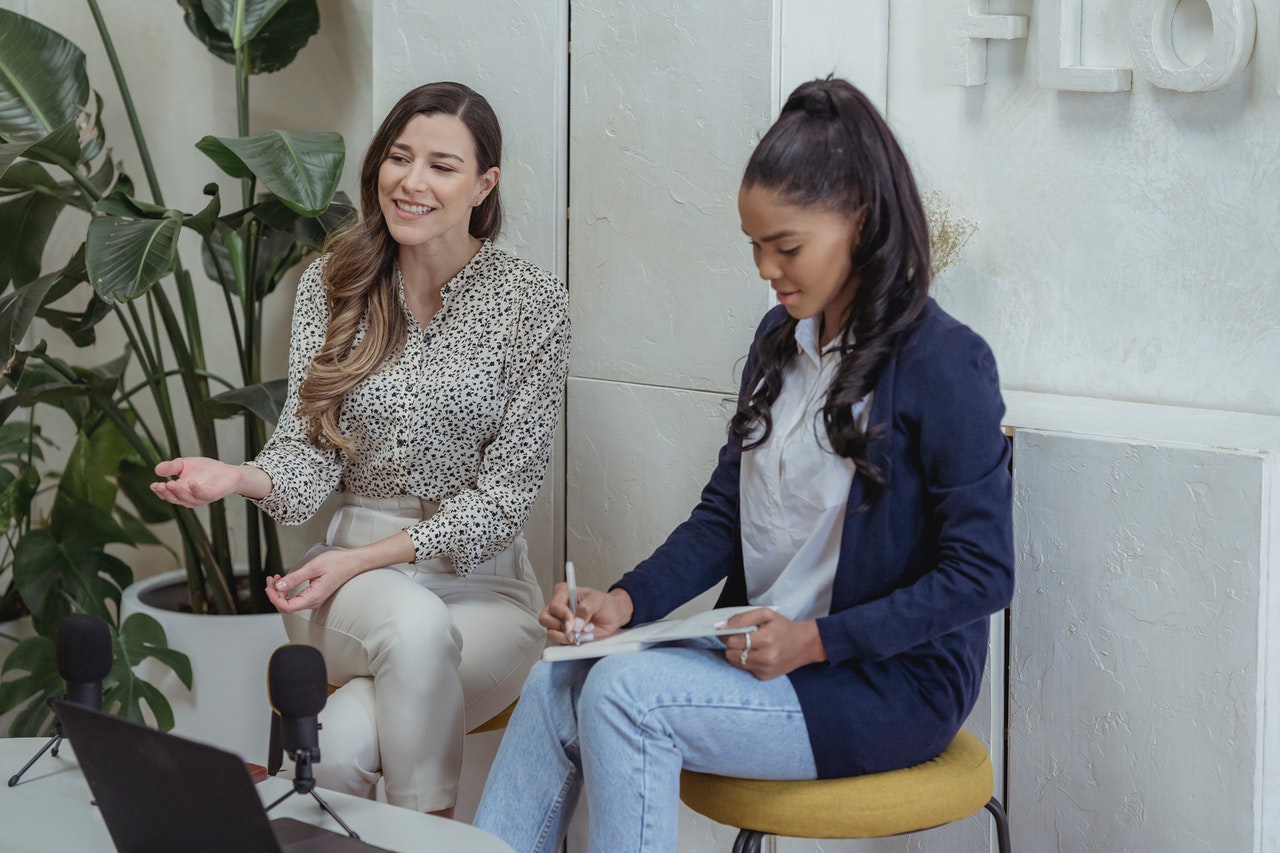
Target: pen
(574,633)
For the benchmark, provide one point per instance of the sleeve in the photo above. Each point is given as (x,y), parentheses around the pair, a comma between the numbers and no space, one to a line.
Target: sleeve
(302,475)
(483,520)
(953,406)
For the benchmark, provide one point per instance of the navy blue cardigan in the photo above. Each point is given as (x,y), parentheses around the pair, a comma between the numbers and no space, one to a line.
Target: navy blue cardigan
(919,572)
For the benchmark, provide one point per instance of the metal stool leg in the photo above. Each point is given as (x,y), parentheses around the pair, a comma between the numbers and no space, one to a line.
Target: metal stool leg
(748,841)
(1002,824)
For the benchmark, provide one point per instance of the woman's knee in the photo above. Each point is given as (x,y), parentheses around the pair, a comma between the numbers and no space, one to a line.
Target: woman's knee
(414,630)
(349,759)
(617,684)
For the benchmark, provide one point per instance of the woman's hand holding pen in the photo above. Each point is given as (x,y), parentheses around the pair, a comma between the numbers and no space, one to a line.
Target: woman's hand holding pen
(777,646)
(603,612)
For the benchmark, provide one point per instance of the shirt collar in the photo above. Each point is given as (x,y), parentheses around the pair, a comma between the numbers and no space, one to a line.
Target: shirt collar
(807,340)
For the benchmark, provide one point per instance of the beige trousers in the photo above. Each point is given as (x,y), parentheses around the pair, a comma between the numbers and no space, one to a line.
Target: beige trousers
(419,655)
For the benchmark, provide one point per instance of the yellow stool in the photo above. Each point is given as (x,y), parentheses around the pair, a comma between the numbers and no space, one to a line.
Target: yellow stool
(955,785)
(275,748)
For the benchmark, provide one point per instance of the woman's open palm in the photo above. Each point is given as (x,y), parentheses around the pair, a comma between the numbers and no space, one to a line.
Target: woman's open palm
(199,480)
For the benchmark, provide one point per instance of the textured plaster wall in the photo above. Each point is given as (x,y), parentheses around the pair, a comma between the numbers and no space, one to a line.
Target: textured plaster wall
(1139,656)
(1126,245)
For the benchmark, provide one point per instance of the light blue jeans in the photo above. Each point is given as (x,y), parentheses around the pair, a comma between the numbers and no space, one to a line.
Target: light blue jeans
(624,726)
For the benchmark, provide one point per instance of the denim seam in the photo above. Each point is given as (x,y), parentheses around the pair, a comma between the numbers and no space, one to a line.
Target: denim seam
(640,725)
(556,806)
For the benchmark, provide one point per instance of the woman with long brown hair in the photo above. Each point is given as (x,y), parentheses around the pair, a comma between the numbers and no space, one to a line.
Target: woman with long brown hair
(426,370)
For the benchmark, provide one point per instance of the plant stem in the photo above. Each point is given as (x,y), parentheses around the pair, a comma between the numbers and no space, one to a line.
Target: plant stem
(130,111)
(242,114)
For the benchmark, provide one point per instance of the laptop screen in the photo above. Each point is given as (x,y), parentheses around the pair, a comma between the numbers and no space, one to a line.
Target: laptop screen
(157,791)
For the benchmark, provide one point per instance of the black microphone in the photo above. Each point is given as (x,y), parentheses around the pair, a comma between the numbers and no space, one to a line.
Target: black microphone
(298,687)
(83,654)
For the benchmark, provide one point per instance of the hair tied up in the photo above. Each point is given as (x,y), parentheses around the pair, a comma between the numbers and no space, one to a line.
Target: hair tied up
(818,104)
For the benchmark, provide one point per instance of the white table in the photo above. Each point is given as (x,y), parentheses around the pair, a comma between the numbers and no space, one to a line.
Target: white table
(49,810)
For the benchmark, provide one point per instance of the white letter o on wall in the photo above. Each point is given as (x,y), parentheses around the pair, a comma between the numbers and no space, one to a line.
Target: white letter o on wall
(1151,40)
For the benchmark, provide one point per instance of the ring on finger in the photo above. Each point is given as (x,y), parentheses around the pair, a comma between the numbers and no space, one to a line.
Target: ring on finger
(743,658)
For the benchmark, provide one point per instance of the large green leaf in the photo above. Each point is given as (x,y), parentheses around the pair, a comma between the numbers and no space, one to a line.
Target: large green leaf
(25,175)
(240,19)
(142,637)
(61,147)
(43,84)
(125,255)
(17,309)
(15,497)
(302,169)
(203,222)
(25,225)
(135,481)
(264,399)
(93,465)
(275,45)
(17,440)
(62,569)
(310,231)
(49,392)
(224,259)
(36,657)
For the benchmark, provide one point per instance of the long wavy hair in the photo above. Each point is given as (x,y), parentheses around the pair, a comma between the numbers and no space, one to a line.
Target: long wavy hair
(831,148)
(359,272)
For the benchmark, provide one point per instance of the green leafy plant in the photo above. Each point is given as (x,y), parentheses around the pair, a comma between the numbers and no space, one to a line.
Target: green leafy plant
(128,270)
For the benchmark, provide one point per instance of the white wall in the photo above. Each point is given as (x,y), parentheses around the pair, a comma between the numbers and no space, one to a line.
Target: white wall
(1126,245)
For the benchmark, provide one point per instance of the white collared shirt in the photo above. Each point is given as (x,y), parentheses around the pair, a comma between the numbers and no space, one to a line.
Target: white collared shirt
(794,490)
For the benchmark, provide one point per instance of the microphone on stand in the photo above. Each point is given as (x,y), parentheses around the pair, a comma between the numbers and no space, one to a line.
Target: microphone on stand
(83,655)
(298,687)
(82,651)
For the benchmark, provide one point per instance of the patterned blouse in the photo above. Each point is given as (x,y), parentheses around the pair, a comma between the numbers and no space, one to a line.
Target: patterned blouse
(464,417)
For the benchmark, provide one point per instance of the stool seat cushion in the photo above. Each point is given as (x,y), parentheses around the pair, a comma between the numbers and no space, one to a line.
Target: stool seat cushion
(952,786)
(497,722)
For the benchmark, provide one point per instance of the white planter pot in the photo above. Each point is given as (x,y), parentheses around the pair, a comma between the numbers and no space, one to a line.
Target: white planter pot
(227,705)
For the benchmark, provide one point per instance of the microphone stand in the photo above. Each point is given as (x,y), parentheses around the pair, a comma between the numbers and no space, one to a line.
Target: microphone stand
(304,782)
(55,742)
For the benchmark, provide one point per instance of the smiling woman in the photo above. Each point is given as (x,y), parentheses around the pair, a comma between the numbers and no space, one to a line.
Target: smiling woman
(426,369)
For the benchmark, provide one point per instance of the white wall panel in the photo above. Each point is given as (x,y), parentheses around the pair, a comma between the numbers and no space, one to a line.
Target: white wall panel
(1126,244)
(846,38)
(667,102)
(1139,663)
(637,461)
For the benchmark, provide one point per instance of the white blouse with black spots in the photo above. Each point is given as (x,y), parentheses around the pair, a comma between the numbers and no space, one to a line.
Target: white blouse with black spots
(464,417)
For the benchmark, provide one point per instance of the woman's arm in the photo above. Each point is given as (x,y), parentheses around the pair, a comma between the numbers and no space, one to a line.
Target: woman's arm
(330,569)
(200,480)
(298,475)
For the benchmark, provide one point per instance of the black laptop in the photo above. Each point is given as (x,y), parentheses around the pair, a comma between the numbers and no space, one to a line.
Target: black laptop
(160,792)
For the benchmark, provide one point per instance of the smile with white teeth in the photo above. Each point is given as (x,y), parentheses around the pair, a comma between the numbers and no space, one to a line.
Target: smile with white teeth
(415,209)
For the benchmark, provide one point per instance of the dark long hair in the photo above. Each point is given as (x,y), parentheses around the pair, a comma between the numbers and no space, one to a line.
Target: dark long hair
(831,148)
(358,273)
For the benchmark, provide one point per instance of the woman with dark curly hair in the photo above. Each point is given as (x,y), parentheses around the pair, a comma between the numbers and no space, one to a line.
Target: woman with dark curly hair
(862,504)
(426,369)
